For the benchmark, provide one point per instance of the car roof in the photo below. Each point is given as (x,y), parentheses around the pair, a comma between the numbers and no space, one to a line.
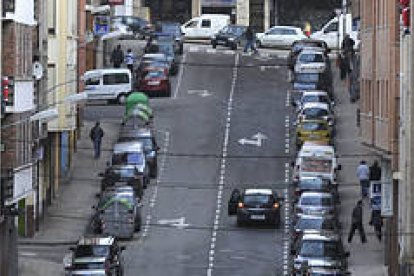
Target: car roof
(308,51)
(316,194)
(100,72)
(316,105)
(153,55)
(321,236)
(258,191)
(315,93)
(96,240)
(128,146)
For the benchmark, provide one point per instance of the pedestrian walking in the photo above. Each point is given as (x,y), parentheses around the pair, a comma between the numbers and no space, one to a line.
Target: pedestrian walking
(129,60)
(357,223)
(348,46)
(363,176)
(96,135)
(376,222)
(117,56)
(375,172)
(343,66)
(250,40)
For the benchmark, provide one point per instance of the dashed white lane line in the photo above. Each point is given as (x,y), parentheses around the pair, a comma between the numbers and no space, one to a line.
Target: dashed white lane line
(286,243)
(222,170)
(154,195)
(180,77)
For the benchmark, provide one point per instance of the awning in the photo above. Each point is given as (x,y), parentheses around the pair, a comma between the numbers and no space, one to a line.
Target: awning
(45,115)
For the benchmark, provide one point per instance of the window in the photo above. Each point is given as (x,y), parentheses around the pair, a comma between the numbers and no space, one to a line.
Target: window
(206,23)
(92,81)
(113,79)
(275,32)
(288,32)
(192,24)
(333,27)
(51,16)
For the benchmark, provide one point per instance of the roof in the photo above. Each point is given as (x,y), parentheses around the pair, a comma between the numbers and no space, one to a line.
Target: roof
(128,146)
(316,105)
(258,191)
(96,240)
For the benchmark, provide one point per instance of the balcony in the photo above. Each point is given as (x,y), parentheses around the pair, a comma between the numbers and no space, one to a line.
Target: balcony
(19,11)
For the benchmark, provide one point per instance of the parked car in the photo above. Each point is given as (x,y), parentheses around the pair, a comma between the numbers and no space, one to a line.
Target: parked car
(255,205)
(312,184)
(155,82)
(279,36)
(123,175)
(204,26)
(316,204)
(311,111)
(166,48)
(112,85)
(312,61)
(147,138)
(312,97)
(299,45)
(230,36)
(320,250)
(131,154)
(173,29)
(304,81)
(118,200)
(313,130)
(95,255)
(152,62)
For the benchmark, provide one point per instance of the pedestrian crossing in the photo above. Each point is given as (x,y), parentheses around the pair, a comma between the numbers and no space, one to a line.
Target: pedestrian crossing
(261,55)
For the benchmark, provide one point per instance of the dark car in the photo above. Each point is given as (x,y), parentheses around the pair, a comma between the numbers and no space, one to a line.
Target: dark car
(313,81)
(152,61)
(147,137)
(95,253)
(139,26)
(299,45)
(166,48)
(255,205)
(320,250)
(230,36)
(118,193)
(173,29)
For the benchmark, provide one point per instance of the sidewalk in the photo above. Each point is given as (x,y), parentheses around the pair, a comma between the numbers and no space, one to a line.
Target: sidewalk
(366,259)
(69,215)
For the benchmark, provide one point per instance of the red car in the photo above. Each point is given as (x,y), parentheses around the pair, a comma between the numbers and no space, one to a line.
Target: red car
(155,82)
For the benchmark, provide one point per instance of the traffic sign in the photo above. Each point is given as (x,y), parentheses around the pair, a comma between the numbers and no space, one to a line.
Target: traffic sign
(101,25)
(387,200)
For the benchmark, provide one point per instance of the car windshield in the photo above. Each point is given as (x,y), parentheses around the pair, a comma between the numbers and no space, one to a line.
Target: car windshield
(127,158)
(314,126)
(91,250)
(237,30)
(307,77)
(310,164)
(310,57)
(256,199)
(315,112)
(309,223)
(315,99)
(318,248)
(312,184)
(316,201)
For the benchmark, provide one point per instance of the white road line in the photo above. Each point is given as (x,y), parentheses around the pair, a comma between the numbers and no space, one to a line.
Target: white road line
(222,170)
(180,76)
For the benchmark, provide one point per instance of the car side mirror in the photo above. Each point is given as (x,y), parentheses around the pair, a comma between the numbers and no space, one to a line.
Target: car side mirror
(122,247)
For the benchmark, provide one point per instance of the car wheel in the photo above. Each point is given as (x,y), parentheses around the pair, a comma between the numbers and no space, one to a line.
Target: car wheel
(121,98)
(233,46)
(214,45)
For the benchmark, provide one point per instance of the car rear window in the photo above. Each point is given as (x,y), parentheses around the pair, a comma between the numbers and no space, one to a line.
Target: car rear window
(256,199)
(310,164)
(313,183)
(127,158)
(315,112)
(317,248)
(307,77)
(309,223)
(316,201)
(314,126)
(91,250)
(315,98)
(311,57)
(115,78)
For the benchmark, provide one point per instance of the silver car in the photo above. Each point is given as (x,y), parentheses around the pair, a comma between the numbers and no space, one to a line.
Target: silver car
(317,204)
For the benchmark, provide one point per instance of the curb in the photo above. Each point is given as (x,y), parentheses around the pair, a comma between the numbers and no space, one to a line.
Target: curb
(47,243)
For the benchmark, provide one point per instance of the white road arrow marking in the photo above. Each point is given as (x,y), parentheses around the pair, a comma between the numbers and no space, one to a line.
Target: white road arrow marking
(203,93)
(179,223)
(256,140)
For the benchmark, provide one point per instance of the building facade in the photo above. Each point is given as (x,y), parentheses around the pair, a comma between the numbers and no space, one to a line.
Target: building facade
(380,101)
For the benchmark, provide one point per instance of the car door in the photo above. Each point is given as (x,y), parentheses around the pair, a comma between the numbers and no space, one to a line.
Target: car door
(271,37)
(205,30)
(191,28)
(330,35)
(235,198)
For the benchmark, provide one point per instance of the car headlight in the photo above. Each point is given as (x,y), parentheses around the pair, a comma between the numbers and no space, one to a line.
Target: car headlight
(231,39)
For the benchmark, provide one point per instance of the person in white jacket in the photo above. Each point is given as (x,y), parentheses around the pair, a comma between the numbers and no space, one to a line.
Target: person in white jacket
(129,60)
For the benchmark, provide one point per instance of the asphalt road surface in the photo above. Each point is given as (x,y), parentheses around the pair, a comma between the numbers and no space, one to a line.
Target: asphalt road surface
(226,126)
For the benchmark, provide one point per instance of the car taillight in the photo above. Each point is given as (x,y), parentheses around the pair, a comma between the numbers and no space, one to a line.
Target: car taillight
(240,205)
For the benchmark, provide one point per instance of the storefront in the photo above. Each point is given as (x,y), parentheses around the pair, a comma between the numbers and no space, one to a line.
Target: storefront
(219,7)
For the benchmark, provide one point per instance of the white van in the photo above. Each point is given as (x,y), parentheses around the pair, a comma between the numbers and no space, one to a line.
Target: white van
(334,30)
(204,26)
(316,160)
(112,84)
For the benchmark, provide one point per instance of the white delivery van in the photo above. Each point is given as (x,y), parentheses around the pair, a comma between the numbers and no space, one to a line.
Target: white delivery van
(316,160)
(112,84)
(334,30)
(204,26)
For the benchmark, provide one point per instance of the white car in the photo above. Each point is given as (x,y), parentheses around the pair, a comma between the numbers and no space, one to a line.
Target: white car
(279,36)
(316,111)
(311,61)
(312,96)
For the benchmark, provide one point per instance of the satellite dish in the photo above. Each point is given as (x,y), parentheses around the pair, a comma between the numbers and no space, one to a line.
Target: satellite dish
(37,70)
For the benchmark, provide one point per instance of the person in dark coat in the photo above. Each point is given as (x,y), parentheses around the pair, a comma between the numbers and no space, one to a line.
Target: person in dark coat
(250,40)
(376,222)
(375,172)
(96,135)
(117,56)
(357,223)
